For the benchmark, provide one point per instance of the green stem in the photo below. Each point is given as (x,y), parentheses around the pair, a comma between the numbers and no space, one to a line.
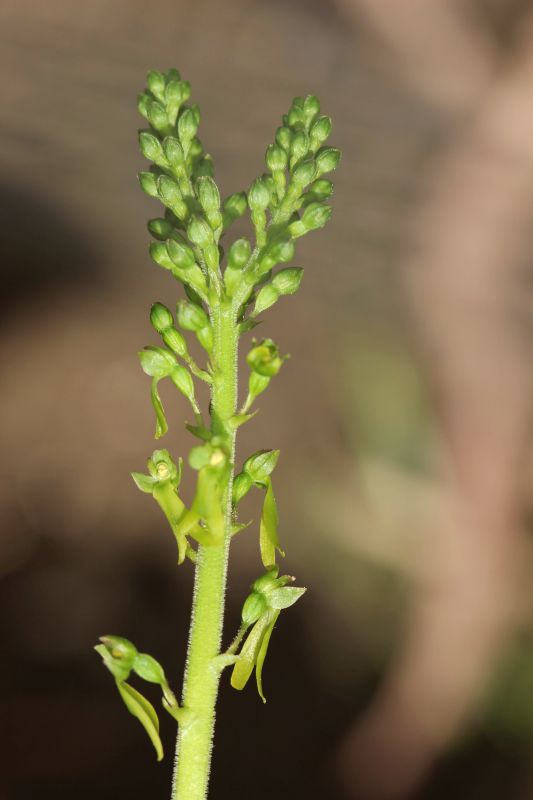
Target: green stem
(193,750)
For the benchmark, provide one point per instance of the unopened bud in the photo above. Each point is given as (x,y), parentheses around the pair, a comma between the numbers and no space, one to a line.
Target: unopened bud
(287,281)
(157,117)
(316,215)
(174,152)
(161,317)
(258,195)
(155,81)
(265,299)
(149,669)
(208,194)
(191,317)
(276,158)
(320,130)
(241,486)
(159,253)
(187,126)
(181,255)
(160,228)
(299,146)
(152,149)
(182,379)
(327,159)
(170,194)
(199,232)
(143,104)
(235,206)
(239,254)
(148,183)
(261,464)
(311,107)
(254,605)
(284,138)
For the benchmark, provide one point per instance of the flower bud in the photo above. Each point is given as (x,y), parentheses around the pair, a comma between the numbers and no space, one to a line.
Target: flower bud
(161,317)
(239,254)
(143,104)
(170,194)
(208,194)
(284,138)
(199,232)
(181,254)
(241,486)
(311,107)
(260,465)
(149,669)
(257,384)
(159,253)
(172,74)
(327,159)
(191,317)
(157,116)
(296,117)
(152,149)
(266,298)
(320,190)
(254,605)
(187,126)
(182,379)
(177,92)
(316,215)
(258,195)
(320,130)
(264,359)
(174,152)
(234,206)
(176,342)
(156,83)
(148,183)
(288,281)
(299,146)
(276,158)
(304,173)
(161,228)
(205,337)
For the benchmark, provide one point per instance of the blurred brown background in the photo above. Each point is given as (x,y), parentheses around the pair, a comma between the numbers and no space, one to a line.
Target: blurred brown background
(403,417)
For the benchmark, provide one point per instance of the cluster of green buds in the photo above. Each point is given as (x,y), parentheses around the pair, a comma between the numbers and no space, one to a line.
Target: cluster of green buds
(287,201)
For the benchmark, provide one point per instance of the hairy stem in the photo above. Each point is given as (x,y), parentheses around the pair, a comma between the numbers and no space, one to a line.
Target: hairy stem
(193,750)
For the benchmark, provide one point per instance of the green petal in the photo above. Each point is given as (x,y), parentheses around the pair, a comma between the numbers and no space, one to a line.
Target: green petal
(262,655)
(268,530)
(141,708)
(161,426)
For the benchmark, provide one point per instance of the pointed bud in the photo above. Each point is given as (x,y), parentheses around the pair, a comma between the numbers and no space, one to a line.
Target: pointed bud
(315,216)
(239,254)
(155,81)
(320,190)
(149,669)
(170,194)
(182,379)
(208,194)
(284,138)
(327,159)
(265,299)
(152,149)
(254,605)
(320,130)
(199,232)
(258,195)
(187,126)
(159,253)
(276,158)
(241,486)
(299,146)
(174,152)
(143,104)
(304,173)
(191,317)
(260,465)
(157,116)
(161,317)
(311,107)
(148,182)
(287,281)
(161,228)
(181,254)
(234,207)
